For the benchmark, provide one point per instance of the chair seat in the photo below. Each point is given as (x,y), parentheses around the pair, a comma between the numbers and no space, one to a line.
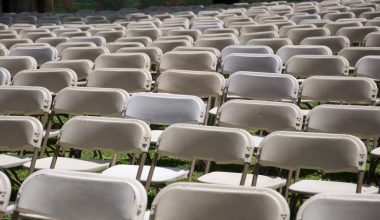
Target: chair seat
(160,175)
(9,161)
(53,133)
(213,111)
(64,163)
(155,135)
(147,215)
(312,187)
(376,152)
(229,178)
(257,140)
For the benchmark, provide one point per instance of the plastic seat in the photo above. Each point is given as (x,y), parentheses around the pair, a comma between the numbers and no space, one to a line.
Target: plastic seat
(123,60)
(274,43)
(106,197)
(97,40)
(286,52)
(41,54)
(205,61)
(354,54)
(223,202)
(81,68)
(296,35)
(251,62)
(335,43)
(89,53)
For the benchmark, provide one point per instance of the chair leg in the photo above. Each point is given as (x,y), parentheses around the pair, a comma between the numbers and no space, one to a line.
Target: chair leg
(293,204)
(372,169)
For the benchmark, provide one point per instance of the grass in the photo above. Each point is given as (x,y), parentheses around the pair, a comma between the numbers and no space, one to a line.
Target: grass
(170,162)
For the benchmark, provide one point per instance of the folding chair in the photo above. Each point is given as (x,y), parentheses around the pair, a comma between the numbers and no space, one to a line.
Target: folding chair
(220,31)
(222,145)
(338,15)
(283,31)
(144,40)
(205,61)
(235,62)
(244,38)
(97,40)
(273,43)
(129,79)
(123,60)
(89,53)
(303,66)
(217,202)
(213,50)
(335,26)
(367,66)
(53,79)
(217,42)
(169,45)
(81,68)
(8,43)
(152,33)
(286,52)
(245,49)
(330,153)
(258,28)
(335,43)
(115,46)
(6,189)
(62,46)
(299,18)
(296,35)
(357,34)
(110,36)
(371,40)
(335,206)
(105,197)
(41,54)
(354,54)
(52,41)
(5,77)
(19,133)
(195,34)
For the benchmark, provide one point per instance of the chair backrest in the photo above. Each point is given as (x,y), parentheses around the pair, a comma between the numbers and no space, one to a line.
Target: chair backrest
(335,26)
(274,43)
(218,144)
(244,38)
(262,115)
(53,79)
(8,43)
(5,77)
(195,34)
(41,54)
(263,86)
(169,45)
(357,34)
(25,100)
(201,61)
(283,31)
(91,101)
(245,49)
(198,83)
(115,46)
(82,68)
(368,66)
(372,39)
(213,50)
(89,53)
(335,43)
(353,90)
(97,40)
(258,28)
(20,133)
(218,202)
(166,109)
(110,36)
(363,121)
(353,54)
(296,35)
(217,42)
(62,46)
(105,197)
(152,33)
(52,41)
(102,133)
(154,53)
(340,207)
(144,40)
(286,52)
(235,62)
(130,79)
(6,190)
(123,60)
(304,66)
(330,153)
(334,16)
(299,18)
